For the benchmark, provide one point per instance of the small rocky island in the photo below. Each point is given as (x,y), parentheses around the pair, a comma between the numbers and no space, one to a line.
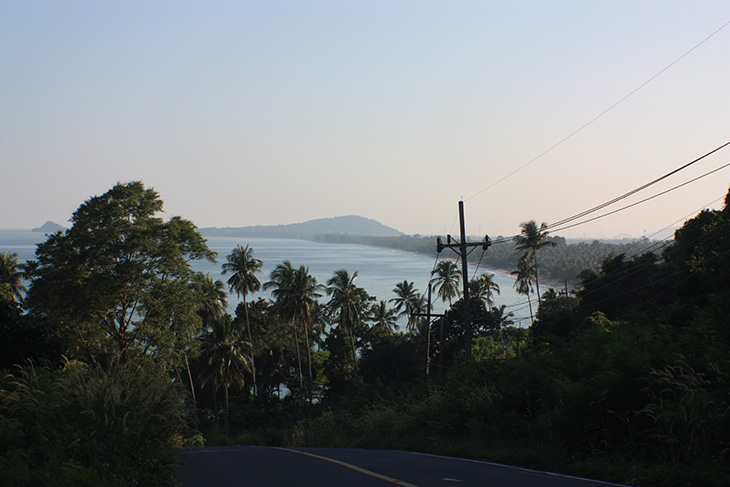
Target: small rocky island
(49,227)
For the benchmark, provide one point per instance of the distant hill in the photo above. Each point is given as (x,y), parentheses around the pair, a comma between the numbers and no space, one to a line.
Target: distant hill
(342,225)
(49,227)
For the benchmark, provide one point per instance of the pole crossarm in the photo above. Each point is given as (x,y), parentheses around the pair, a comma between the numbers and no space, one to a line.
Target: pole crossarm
(453,244)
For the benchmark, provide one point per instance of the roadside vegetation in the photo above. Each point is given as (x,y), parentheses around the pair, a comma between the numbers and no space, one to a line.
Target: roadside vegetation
(117,353)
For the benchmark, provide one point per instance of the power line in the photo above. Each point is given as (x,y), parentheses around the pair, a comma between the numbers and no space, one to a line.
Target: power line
(579,129)
(565,227)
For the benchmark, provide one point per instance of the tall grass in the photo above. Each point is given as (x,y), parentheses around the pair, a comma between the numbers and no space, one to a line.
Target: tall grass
(87,426)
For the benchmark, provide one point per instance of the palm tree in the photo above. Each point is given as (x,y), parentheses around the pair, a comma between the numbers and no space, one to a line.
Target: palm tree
(531,240)
(446,280)
(302,298)
(405,301)
(524,274)
(244,267)
(419,323)
(213,299)
(348,302)
(281,281)
(224,358)
(383,317)
(211,308)
(11,275)
(500,318)
(295,292)
(484,288)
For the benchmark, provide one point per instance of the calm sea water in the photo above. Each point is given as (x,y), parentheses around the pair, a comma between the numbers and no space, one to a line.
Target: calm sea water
(379,270)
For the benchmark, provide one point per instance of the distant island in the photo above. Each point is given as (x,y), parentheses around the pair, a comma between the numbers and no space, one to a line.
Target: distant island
(341,225)
(49,227)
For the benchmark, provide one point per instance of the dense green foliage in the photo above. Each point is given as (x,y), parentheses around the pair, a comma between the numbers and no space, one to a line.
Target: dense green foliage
(119,279)
(625,378)
(115,294)
(83,426)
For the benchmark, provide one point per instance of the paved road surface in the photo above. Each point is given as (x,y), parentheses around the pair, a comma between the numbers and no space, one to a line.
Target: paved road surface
(252,466)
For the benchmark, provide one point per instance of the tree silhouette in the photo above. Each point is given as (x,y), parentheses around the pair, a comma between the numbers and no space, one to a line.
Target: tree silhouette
(347,303)
(524,274)
(531,240)
(446,279)
(244,267)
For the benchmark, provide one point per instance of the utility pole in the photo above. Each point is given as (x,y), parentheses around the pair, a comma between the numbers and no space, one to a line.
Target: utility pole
(428,316)
(463,247)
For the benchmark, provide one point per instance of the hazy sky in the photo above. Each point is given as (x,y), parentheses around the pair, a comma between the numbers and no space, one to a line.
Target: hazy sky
(247,113)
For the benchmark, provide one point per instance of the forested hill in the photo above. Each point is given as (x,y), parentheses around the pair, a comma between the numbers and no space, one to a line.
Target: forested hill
(343,225)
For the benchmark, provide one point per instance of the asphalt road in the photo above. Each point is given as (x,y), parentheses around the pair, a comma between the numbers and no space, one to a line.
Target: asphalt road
(253,466)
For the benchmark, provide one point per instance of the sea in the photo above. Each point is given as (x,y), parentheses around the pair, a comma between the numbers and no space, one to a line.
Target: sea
(378,269)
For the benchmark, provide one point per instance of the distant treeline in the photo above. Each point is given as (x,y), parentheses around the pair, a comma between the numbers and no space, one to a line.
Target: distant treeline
(563,262)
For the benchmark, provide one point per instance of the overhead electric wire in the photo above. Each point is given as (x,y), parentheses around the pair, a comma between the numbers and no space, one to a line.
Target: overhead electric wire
(579,129)
(565,227)
(634,191)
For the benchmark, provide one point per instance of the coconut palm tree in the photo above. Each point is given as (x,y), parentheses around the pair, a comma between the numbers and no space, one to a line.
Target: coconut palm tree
(211,308)
(532,239)
(383,317)
(348,303)
(405,301)
(243,268)
(213,299)
(281,281)
(446,279)
(524,275)
(302,297)
(11,275)
(224,358)
(484,288)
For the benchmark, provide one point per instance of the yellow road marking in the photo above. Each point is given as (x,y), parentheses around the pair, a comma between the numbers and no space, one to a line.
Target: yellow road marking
(352,467)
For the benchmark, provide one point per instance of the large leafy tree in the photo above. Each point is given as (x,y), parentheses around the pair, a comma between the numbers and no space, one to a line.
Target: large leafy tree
(531,239)
(11,275)
(243,268)
(119,280)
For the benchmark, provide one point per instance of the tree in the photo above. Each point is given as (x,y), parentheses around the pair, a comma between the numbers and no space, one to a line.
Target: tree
(212,299)
(531,240)
(223,354)
(524,274)
(244,267)
(446,280)
(302,298)
(406,301)
(120,277)
(383,317)
(11,275)
(295,292)
(484,288)
(347,304)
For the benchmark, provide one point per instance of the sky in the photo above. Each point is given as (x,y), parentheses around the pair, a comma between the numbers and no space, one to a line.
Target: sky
(264,113)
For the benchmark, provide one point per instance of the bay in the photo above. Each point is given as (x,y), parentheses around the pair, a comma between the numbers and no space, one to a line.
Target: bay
(379,269)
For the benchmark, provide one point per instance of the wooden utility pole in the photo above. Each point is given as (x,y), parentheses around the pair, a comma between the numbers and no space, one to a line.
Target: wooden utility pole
(463,247)
(428,316)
